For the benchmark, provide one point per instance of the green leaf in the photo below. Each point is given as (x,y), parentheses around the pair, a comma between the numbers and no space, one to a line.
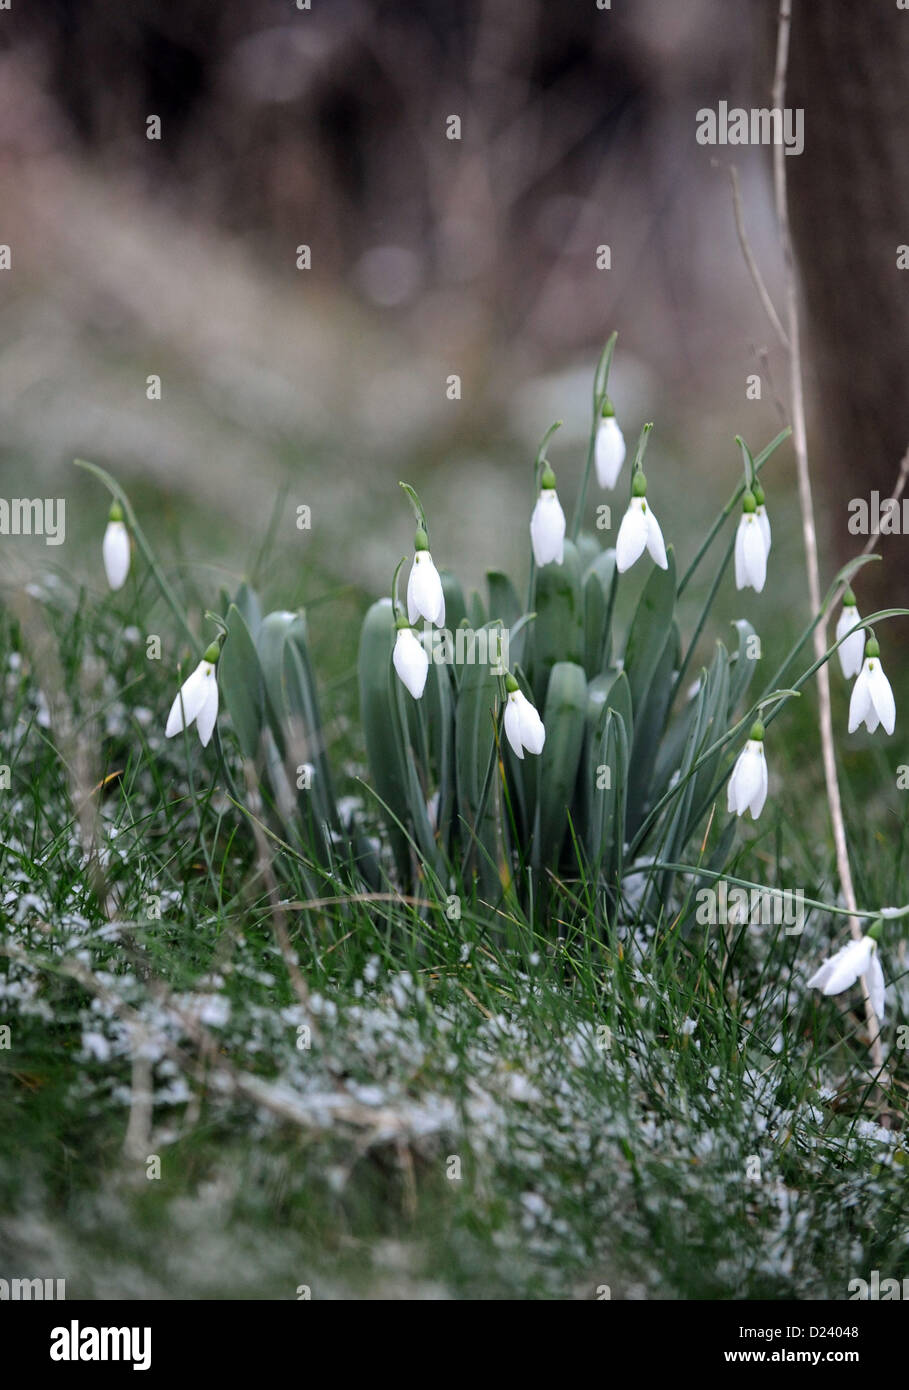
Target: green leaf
(240,682)
(503,599)
(379,718)
(477,775)
(742,665)
(599,596)
(247,601)
(558,632)
(565,718)
(455,607)
(647,638)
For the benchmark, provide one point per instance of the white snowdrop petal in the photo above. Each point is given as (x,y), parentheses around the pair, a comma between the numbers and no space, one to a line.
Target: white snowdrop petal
(852,651)
(860,700)
(610,452)
(513,727)
(881,695)
(115,553)
(741,577)
(655,543)
(547,528)
(411,661)
(425,596)
(754,553)
(760,793)
(764,523)
(533,734)
(208,714)
(842,970)
(632,537)
(189,701)
(748,783)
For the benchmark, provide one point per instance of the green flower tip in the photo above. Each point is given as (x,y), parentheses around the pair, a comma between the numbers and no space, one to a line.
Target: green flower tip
(757,732)
(212,652)
(116,512)
(548,479)
(420,540)
(639,485)
(607,408)
(511,684)
(758,493)
(875,931)
(749,502)
(401,621)
(872,648)
(849,599)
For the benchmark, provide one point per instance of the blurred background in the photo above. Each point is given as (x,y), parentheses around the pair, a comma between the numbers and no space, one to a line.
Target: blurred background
(430,258)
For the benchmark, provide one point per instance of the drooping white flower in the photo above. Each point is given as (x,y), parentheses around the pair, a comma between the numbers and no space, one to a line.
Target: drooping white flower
(425,597)
(115,548)
(523,725)
(842,970)
(747,789)
(609,452)
(872,701)
(639,530)
(750,548)
(411,660)
(197,700)
(547,524)
(853,649)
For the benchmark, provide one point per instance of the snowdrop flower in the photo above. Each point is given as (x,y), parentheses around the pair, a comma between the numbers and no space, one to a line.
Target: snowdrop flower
(115,548)
(610,447)
(547,524)
(411,659)
(639,530)
(760,512)
(425,598)
(872,700)
(853,649)
(747,790)
(523,726)
(197,699)
(750,548)
(853,960)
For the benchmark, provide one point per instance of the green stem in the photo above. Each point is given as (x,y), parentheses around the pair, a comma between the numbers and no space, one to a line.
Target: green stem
(167,592)
(600,384)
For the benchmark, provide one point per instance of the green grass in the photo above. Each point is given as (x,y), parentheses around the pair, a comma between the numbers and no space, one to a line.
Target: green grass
(672,1115)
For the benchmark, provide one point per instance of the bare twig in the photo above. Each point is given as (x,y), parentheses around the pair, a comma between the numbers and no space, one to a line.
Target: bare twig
(809,533)
(753,269)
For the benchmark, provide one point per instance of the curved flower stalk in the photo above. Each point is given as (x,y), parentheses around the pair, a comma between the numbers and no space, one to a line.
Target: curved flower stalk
(197,699)
(610,447)
(547,523)
(842,970)
(872,701)
(751,547)
(747,789)
(639,530)
(523,725)
(115,548)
